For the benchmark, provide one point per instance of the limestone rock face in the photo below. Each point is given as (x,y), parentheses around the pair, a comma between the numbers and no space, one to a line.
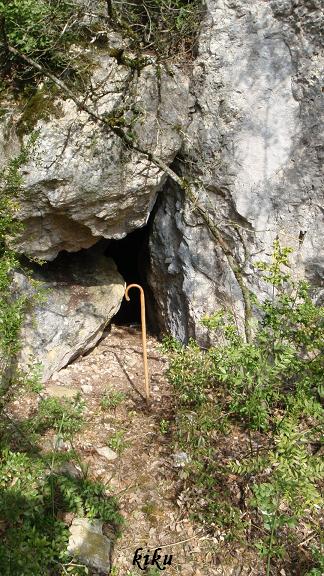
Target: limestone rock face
(81,293)
(254,152)
(243,127)
(83,183)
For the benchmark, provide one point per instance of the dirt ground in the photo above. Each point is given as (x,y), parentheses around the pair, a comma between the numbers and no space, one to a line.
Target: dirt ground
(146,474)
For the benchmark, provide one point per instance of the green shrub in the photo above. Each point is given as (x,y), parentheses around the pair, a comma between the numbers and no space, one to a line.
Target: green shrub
(60,414)
(33,501)
(168,27)
(36,493)
(11,307)
(268,391)
(318,559)
(117,441)
(42,30)
(112,399)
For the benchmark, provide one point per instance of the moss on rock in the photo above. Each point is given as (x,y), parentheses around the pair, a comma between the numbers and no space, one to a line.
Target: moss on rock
(41,106)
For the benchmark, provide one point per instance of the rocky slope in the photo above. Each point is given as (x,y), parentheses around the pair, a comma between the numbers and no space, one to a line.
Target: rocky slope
(145,471)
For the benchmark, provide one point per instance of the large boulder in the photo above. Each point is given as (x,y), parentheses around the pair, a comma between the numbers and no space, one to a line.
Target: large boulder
(79,294)
(82,182)
(253,152)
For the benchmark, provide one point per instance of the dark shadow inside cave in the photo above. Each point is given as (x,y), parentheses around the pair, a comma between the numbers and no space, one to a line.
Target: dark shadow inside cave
(131,255)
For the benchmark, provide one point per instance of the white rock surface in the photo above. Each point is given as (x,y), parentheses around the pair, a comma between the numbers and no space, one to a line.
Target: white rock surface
(86,388)
(180,459)
(83,183)
(81,294)
(107,453)
(254,149)
(88,544)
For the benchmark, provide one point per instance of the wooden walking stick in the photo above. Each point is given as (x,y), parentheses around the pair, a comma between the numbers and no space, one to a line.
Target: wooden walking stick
(143,321)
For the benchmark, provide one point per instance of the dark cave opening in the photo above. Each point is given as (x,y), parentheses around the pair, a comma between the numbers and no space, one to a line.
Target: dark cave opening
(131,255)
(132,258)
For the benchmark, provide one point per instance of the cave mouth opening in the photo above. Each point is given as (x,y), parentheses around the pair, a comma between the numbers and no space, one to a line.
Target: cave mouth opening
(131,255)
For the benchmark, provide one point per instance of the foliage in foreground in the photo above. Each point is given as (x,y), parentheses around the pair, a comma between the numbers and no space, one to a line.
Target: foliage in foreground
(38,495)
(47,30)
(250,417)
(167,27)
(10,181)
(40,29)
(11,307)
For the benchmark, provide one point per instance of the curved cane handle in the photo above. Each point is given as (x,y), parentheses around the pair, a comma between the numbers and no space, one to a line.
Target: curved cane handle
(133,286)
(143,321)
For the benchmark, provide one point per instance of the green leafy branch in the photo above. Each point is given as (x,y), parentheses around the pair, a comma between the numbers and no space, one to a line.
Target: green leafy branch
(268,390)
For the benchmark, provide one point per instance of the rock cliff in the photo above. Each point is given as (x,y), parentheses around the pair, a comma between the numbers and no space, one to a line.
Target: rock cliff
(241,124)
(82,183)
(254,151)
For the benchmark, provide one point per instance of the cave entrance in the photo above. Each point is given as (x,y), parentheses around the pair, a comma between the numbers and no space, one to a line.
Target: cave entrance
(131,255)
